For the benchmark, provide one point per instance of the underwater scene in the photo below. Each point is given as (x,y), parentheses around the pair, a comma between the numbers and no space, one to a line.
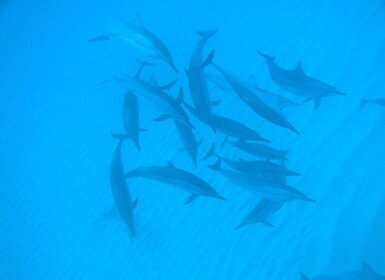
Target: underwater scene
(192,139)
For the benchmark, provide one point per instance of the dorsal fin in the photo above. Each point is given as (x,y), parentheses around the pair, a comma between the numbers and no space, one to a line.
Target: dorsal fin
(170,164)
(299,69)
(207,61)
(139,19)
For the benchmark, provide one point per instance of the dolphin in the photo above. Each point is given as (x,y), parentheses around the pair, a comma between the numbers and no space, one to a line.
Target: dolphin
(156,97)
(259,214)
(228,126)
(141,38)
(269,97)
(197,80)
(120,191)
(268,169)
(261,150)
(366,273)
(272,98)
(190,145)
(264,188)
(130,113)
(248,95)
(298,83)
(378,101)
(179,178)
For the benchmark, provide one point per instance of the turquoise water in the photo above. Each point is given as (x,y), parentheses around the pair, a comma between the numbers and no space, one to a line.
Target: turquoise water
(58,216)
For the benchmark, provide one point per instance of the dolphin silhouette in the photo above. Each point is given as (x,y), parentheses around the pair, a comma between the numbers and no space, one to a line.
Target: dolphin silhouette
(273,99)
(270,97)
(378,101)
(197,80)
(261,150)
(141,38)
(228,126)
(190,145)
(156,97)
(264,188)
(247,95)
(298,83)
(120,191)
(130,113)
(181,179)
(267,169)
(261,212)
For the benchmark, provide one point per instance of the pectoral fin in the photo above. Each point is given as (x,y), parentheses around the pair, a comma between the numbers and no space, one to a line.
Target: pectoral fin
(267,223)
(134,203)
(317,102)
(190,199)
(100,38)
(162,118)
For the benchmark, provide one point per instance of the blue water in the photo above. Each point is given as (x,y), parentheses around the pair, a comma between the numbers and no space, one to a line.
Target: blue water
(58,217)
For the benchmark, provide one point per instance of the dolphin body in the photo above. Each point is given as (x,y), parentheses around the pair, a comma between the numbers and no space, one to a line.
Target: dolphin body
(271,98)
(228,126)
(248,95)
(185,132)
(130,114)
(197,80)
(264,188)
(276,99)
(298,83)
(265,168)
(141,38)
(366,273)
(120,191)
(155,96)
(259,214)
(378,101)
(179,178)
(261,150)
